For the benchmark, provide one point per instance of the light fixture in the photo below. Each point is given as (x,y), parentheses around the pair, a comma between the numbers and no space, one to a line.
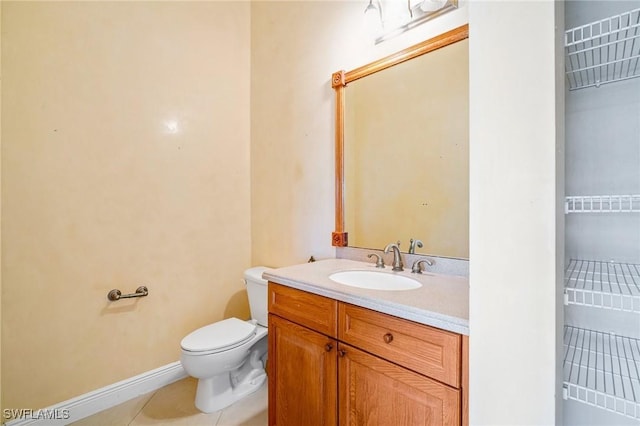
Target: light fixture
(385,19)
(373,18)
(372,8)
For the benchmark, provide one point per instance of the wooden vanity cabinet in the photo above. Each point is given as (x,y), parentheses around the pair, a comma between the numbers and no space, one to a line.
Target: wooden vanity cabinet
(426,350)
(373,391)
(334,363)
(302,359)
(302,375)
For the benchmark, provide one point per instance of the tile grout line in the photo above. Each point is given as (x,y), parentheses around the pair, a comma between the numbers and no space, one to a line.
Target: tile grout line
(142,408)
(219,416)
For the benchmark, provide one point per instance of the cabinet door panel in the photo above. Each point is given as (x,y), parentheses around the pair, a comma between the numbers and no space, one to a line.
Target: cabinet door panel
(376,392)
(302,375)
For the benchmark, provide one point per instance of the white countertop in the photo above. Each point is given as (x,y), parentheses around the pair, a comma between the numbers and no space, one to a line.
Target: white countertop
(442,301)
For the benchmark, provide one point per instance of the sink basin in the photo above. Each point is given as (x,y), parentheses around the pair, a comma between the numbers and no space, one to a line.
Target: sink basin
(375,280)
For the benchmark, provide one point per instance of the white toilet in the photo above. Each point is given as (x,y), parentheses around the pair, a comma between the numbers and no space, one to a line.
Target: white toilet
(228,357)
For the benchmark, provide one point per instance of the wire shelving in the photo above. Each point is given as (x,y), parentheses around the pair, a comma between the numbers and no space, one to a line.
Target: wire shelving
(603,51)
(607,285)
(602,203)
(602,370)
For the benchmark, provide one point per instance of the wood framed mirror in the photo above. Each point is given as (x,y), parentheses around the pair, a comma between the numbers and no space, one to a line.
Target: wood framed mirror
(421,203)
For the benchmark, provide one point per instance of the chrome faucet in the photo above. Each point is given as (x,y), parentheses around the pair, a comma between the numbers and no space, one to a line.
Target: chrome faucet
(412,245)
(397,257)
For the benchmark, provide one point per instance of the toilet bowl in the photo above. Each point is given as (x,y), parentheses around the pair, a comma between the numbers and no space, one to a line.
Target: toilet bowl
(228,357)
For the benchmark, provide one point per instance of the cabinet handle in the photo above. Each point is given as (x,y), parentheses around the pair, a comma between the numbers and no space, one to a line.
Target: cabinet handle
(388,338)
(328,347)
(342,352)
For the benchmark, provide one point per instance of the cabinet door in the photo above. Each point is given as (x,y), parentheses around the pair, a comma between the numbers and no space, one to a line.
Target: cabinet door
(376,392)
(302,375)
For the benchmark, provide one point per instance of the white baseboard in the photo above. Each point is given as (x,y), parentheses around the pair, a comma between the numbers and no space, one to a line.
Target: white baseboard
(93,402)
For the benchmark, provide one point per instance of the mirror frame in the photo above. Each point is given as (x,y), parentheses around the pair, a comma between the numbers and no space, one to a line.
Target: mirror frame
(340,80)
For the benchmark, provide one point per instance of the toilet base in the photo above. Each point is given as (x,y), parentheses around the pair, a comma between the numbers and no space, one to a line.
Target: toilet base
(218,392)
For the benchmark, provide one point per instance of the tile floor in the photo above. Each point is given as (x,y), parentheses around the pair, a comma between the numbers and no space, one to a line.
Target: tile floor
(173,405)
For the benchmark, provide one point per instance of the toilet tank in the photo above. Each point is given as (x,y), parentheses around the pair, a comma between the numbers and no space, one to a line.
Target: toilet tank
(257,291)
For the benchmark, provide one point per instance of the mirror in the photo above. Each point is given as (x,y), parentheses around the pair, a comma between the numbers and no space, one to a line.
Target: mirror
(402,132)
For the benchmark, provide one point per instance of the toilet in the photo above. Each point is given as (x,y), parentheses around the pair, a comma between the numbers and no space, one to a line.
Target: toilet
(228,357)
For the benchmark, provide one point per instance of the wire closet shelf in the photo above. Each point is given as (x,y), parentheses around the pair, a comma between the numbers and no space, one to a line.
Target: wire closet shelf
(603,51)
(602,370)
(602,203)
(606,285)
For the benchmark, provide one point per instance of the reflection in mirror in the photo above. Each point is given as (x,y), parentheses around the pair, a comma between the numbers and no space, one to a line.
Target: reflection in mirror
(406,168)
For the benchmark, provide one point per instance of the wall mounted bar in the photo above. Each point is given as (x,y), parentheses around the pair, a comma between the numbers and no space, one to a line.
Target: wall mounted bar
(116,294)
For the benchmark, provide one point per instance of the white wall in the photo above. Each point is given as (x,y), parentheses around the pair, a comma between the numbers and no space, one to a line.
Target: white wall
(513,252)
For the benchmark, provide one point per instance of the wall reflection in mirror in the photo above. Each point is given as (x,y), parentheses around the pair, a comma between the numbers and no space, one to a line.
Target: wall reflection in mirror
(406,151)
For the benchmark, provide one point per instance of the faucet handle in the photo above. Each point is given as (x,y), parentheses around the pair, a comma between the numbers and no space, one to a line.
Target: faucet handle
(379,260)
(415,269)
(412,245)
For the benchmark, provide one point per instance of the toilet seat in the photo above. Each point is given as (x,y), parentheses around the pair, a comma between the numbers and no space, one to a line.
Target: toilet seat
(219,336)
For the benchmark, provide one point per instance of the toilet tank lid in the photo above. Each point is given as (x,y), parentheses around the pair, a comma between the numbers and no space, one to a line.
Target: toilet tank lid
(255,273)
(218,335)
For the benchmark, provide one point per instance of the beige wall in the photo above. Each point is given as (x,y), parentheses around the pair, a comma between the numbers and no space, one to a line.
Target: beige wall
(125,161)
(295,47)
(291,128)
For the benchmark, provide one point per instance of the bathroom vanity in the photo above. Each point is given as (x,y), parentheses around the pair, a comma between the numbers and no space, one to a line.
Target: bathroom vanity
(340,354)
